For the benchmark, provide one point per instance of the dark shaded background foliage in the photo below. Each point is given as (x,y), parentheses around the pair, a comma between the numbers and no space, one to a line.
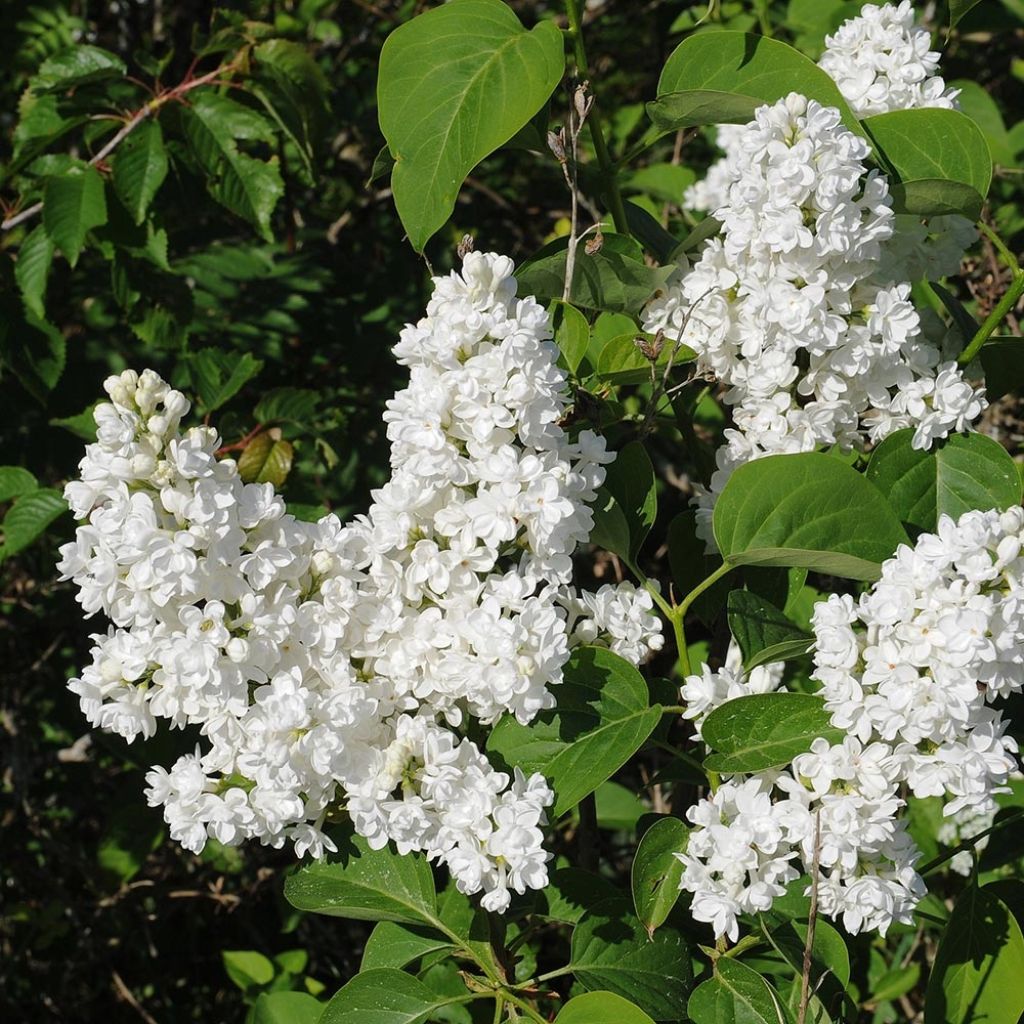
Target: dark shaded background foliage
(100,917)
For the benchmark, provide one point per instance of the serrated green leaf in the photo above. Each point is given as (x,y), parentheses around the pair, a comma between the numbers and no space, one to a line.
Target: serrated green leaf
(763,632)
(33,269)
(73,204)
(15,481)
(139,168)
(288,405)
(454,84)
(765,730)
(960,473)
(723,77)
(612,951)
(80,65)
(291,85)
(368,885)
(37,354)
(266,459)
(614,278)
(28,517)
(938,161)
(603,716)
(657,870)
(601,1008)
(808,510)
(219,376)
(245,185)
(386,996)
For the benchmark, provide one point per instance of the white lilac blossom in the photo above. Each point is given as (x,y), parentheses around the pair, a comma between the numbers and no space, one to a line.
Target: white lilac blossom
(328,667)
(882,61)
(788,308)
(910,672)
(703,692)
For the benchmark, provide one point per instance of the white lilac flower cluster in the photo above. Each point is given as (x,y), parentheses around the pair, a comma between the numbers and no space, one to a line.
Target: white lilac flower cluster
(882,61)
(909,672)
(334,667)
(788,308)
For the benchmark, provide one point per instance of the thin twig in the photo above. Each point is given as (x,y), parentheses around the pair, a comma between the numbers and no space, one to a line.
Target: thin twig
(133,122)
(812,918)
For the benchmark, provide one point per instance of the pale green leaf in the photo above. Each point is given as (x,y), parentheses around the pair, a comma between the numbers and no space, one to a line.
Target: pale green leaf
(454,84)
(33,269)
(735,994)
(28,517)
(961,473)
(602,717)
(601,1008)
(657,870)
(286,1008)
(15,481)
(808,510)
(765,730)
(763,632)
(79,65)
(386,996)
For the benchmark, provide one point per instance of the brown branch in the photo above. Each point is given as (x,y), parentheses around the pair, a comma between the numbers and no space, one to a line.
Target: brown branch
(134,120)
(812,918)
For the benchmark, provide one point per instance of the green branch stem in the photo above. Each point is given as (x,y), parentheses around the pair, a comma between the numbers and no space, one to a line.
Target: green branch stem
(1004,305)
(574,10)
(969,844)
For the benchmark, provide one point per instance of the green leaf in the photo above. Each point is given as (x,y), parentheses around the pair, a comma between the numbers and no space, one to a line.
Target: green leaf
(723,77)
(627,504)
(79,65)
(28,517)
(454,84)
(219,376)
(963,472)
(395,945)
(15,481)
(665,182)
(958,9)
(246,967)
(139,168)
(808,510)
(982,109)
(571,892)
(286,1008)
(368,885)
(611,950)
(601,1008)
(735,995)
(618,808)
(602,717)
(33,269)
(979,965)
(386,996)
(765,730)
(37,354)
(243,184)
(938,161)
(620,361)
(691,564)
(289,82)
(288,405)
(266,459)
(1003,362)
(657,870)
(614,278)
(763,632)
(572,333)
(73,204)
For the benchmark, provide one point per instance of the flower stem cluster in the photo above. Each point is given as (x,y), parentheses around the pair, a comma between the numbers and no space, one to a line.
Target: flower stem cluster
(334,666)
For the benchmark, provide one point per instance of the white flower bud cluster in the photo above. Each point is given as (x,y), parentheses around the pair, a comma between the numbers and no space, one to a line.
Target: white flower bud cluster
(788,310)
(910,673)
(882,61)
(328,667)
